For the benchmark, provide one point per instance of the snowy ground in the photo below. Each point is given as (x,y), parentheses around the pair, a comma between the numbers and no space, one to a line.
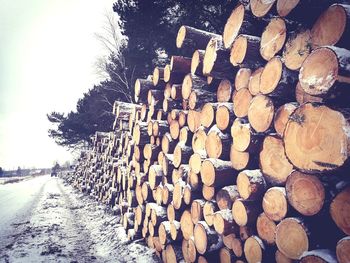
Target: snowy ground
(45,220)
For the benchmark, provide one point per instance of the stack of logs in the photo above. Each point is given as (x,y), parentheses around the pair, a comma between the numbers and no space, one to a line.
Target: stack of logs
(238,152)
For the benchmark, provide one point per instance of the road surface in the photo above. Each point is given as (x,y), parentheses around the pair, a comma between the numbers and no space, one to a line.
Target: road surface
(45,220)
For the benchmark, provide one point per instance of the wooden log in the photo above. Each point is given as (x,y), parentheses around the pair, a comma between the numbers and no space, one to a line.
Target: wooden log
(189,194)
(141,88)
(237,247)
(182,119)
(173,253)
(245,139)
(185,136)
(332,27)
(251,184)
(321,80)
(216,61)
(261,8)
(266,229)
(168,143)
(241,101)
(217,144)
(282,116)
(217,172)
(254,81)
(207,115)
(224,223)
(273,38)
(199,97)
(178,195)
(311,150)
(245,212)
(175,230)
(182,154)
(224,116)
(242,160)
(245,232)
(193,120)
(175,92)
(155,175)
(146,191)
(158,76)
(276,80)
(150,152)
(254,249)
(260,113)
(292,237)
(275,204)
(209,208)
(197,213)
(195,181)
(199,140)
(208,192)
(196,82)
(197,62)
(305,193)
(167,194)
(192,38)
(182,173)
(240,22)
(245,52)
(226,255)
(159,128)
(206,239)
(169,104)
(173,215)
(155,98)
(273,161)
(318,255)
(140,135)
(226,196)
(189,250)
(281,258)
(195,162)
(187,226)
(139,214)
(339,210)
(164,233)
(297,48)
(343,250)
(242,78)
(224,91)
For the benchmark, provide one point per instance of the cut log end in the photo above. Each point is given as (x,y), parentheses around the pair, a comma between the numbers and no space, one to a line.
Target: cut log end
(275,203)
(260,113)
(339,210)
(291,238)
(233,26)
(316,138)
(343,250)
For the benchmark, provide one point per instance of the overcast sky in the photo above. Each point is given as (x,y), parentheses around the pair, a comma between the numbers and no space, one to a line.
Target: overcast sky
(47,52)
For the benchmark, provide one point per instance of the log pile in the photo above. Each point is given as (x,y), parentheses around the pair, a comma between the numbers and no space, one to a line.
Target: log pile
(239,153)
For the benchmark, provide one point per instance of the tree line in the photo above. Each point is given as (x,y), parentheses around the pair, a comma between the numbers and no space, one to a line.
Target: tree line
(147,35)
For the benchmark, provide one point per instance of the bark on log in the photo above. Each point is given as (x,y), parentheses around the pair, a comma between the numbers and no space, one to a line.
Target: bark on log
(318,255)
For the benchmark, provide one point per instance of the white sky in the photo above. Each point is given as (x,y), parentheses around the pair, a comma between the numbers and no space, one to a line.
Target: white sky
(47,52)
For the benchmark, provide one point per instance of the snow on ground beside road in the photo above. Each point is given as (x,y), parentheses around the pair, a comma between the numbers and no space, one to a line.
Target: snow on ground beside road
(67,226)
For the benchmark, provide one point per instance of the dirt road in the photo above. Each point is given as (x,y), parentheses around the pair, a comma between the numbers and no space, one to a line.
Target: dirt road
(45,220)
